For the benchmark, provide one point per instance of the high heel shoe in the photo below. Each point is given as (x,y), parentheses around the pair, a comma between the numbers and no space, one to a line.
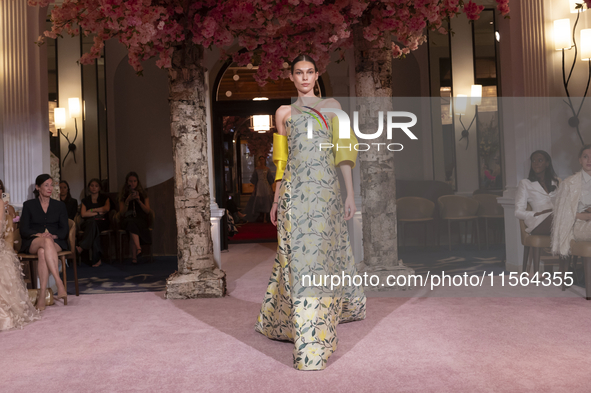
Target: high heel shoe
(64,298)
(40,308)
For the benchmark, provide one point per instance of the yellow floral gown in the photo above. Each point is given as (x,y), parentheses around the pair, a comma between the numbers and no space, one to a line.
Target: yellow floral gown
(312,240)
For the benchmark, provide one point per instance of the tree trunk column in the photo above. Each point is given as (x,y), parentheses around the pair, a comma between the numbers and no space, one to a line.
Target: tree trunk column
(197,276)
(373,85)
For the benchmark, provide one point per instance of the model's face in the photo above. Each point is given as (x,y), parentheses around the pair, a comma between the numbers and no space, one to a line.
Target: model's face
(261,160)
(46,188)
(304,76)
(585,160)
(132,182)
(94,188)
(63,190)
(539,163)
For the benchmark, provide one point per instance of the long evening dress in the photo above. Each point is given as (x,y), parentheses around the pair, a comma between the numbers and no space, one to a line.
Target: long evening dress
(16,309)
(312,239)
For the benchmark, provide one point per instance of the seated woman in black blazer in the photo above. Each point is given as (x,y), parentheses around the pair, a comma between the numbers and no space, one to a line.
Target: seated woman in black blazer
(44,229)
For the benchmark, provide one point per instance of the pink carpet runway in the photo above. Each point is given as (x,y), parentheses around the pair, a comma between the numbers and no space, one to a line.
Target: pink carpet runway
(452,340)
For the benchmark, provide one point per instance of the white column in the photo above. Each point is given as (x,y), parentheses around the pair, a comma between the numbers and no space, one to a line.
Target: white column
(24,121)
(216,212)
(523,59)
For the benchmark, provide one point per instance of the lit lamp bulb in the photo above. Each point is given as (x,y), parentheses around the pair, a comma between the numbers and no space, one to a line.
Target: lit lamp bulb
(562,34)
(573,6)
(476,95)
(59,117)
(74,106)
(586,44)
(461,103)
(261,123)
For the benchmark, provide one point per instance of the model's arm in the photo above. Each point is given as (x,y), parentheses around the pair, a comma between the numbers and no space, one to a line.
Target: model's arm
(279,155)
(350,207)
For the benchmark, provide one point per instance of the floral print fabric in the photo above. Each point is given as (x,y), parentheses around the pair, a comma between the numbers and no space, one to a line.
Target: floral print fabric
(313,240)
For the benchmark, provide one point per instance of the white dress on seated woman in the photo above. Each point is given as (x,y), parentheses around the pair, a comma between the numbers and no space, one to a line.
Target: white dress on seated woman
(574,196)
(534,194)
(16,309)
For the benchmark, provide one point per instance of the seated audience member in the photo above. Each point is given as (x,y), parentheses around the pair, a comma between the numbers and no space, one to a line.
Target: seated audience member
(44,229)
(71,203)
(134,207)
(94,210)
(572,207)
(539,190)
(237,216)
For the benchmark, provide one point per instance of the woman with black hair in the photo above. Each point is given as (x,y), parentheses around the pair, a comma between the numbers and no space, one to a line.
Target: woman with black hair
(539,190)
(134,207)
(65,197)
(94,210)
(44,229)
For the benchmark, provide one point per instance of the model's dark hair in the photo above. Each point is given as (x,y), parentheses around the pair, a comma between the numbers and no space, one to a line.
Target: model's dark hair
(40,180)
(303,58)
(586,147)
(97,181)
(125,190)
(68,195)
(2,186)
(549,174)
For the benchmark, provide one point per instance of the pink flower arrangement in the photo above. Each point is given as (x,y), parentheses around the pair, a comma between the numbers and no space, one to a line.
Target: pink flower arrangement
(273,31)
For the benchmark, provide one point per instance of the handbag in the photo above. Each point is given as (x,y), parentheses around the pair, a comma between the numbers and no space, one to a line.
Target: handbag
(48,296)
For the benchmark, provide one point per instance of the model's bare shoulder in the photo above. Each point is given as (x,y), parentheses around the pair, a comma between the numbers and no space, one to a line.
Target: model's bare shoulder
(281,116)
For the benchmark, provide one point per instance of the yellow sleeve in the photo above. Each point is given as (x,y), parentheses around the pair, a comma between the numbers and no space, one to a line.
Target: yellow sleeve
(279,154)
(343,153)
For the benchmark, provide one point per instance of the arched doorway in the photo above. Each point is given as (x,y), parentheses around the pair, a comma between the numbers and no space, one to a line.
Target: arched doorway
(236,98)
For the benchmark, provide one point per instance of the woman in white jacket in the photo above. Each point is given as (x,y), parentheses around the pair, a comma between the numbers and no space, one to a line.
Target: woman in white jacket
(539,190)
(572,214)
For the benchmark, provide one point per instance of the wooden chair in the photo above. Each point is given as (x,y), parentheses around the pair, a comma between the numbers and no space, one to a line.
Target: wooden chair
(535,242)
(414,210)
(459,208)
(62,255)
(583,250)
(489,208)
(121,233)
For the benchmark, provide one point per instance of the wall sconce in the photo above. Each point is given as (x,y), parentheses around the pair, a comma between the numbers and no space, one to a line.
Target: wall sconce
(260,123)
(564,38)
(573,6)
(59,116)
(461,106)
(74,109)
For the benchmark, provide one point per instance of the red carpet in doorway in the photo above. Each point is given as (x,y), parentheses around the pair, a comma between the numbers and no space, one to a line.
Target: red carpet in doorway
(255,231)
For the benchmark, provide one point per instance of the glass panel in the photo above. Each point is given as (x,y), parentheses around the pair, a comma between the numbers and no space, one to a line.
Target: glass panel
(442,121)
(94,116)
(54,144)
(487,124)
